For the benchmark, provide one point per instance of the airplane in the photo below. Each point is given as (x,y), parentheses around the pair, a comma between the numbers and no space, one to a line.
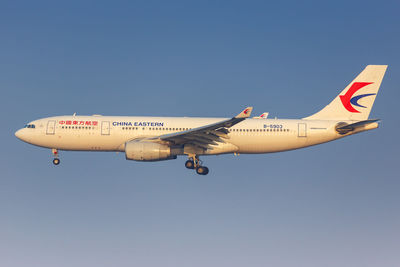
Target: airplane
(165,138)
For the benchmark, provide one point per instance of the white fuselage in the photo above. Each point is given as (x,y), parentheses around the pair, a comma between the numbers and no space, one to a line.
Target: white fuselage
(110,133)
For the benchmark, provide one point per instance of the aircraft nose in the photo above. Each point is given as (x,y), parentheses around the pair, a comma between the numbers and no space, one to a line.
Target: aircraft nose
(19,134)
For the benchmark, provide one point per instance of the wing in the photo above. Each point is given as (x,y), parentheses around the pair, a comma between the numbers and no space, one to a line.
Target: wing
(207,135)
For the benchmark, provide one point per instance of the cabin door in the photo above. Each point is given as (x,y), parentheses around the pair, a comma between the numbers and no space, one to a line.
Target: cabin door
(105,128)
(302,132)
(51,127)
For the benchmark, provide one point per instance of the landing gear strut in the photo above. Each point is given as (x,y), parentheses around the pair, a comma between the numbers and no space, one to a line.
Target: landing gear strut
(56,160)
(195,163)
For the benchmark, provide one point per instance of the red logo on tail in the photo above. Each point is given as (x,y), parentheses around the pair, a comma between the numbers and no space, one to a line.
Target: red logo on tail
(347,97)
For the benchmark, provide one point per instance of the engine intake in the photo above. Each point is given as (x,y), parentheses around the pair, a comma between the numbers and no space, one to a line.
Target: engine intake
(147,151)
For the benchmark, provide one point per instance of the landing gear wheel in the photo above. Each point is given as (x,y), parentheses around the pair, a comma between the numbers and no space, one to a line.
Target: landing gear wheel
(189,164)
(202,170)
(56,161)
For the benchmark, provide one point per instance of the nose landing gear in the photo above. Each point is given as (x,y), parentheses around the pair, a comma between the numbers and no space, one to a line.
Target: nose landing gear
(195,163)
(56,160)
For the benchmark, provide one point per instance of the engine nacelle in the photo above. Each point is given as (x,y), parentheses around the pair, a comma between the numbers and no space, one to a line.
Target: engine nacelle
(147,151)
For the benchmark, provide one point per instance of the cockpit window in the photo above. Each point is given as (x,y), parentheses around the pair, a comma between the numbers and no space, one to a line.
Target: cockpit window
(30,126)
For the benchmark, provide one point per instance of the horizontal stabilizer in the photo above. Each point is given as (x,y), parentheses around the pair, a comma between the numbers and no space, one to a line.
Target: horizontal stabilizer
(344,128)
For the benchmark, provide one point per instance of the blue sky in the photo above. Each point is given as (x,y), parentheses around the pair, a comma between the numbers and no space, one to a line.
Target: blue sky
(331,205)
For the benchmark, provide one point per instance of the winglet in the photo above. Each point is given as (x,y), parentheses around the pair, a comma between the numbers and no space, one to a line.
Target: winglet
(245,113)
(262,116)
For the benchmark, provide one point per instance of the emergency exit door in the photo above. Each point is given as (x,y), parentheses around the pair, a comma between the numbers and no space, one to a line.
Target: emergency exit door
(105,128)
(51,127)
(302,130)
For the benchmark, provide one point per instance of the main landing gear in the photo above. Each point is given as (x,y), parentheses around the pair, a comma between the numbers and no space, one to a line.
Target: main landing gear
(195,163)
(56,160)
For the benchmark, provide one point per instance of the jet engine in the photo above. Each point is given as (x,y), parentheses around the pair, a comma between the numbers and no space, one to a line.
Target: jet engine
(147,151)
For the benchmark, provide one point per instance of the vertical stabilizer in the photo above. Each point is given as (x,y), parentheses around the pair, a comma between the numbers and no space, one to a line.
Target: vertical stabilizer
(356,100)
